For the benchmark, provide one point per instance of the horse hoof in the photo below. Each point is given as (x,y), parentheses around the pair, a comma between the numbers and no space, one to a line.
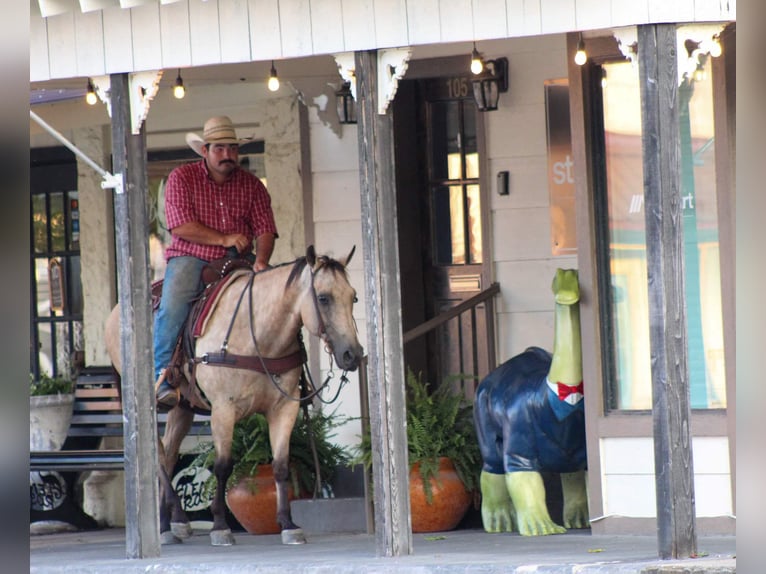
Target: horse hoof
(182,530)
(221,537)
(294,536)
(169,538)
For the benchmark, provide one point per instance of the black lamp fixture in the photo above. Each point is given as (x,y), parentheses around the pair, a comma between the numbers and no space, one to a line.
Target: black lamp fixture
(344,100)
(179,91)
(490,83)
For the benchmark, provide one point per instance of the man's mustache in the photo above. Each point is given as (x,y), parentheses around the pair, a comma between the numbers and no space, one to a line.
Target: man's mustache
(223,161)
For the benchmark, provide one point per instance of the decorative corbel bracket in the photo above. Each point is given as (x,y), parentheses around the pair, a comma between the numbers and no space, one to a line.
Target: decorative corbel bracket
(102,85)
(627,40)
(392,65)
(704,35)
(347,69)
(143,87)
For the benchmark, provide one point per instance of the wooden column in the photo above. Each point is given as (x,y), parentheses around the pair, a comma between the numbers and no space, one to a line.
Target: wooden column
(142,538)
(393,534)
(671,410)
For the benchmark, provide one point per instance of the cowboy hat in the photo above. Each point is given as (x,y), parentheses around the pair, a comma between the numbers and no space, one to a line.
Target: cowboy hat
(217,129)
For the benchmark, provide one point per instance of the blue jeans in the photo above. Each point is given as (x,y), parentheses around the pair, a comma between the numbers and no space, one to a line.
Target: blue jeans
(181,285)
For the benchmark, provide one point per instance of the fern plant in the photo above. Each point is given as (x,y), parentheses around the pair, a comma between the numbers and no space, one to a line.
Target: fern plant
(251,447)
(439,424)
(47,385)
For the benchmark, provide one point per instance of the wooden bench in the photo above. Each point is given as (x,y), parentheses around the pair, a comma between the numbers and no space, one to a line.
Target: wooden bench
(97,414)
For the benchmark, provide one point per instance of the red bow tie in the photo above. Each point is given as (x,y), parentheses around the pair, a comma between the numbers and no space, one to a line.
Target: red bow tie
(566,390)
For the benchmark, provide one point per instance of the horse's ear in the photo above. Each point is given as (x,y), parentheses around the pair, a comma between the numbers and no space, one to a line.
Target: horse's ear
(348,258)
(311,255)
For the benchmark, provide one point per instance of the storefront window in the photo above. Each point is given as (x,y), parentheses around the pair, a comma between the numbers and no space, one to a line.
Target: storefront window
(631,385)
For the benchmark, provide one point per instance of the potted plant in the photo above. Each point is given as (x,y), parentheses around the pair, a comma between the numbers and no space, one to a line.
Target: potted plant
(250,490)
(51,402)
(443,454)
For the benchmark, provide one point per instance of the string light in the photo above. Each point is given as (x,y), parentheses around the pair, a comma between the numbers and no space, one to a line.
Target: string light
(179,91)
(90,95)
(477,66)
(273,83)
(580,56)
(603,78)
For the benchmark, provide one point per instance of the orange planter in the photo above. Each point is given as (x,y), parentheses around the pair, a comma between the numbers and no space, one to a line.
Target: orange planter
(253,502)
(449,504)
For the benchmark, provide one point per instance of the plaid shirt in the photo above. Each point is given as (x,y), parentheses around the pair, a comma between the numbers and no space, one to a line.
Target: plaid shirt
(241,205)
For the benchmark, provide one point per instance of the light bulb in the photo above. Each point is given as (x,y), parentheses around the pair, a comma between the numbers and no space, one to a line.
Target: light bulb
(715,47)
(603,78)
(273,83)
(90,95)
(476,64)
(580,56)
(179,91)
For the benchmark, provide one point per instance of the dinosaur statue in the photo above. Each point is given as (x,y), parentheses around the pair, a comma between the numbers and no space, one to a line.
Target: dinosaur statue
(529,419)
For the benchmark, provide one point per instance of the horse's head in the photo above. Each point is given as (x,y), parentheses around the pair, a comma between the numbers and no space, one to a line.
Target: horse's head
(329,312)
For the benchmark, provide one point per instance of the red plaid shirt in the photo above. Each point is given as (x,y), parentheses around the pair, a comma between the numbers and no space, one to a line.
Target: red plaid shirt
(241,205)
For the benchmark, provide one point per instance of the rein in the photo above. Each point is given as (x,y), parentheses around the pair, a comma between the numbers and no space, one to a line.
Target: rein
(273,367)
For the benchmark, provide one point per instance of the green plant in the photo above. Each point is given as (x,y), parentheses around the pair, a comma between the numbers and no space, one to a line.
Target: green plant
(47,385)
(251,447)
(439,424)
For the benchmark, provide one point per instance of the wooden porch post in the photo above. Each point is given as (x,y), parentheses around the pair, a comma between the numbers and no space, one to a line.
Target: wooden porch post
(671,410)
(142,538)
(393,534)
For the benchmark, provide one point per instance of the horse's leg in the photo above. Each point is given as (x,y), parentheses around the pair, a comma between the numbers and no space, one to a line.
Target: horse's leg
(281,422)
(222,426)
(168,501)
(179,422)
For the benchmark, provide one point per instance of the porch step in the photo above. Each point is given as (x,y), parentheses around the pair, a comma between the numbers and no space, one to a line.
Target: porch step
(330,515)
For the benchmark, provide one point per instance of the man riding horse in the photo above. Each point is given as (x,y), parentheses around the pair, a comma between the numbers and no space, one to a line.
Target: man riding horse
(210,206)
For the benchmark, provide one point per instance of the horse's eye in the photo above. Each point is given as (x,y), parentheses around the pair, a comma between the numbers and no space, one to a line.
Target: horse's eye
(323,299)
(356,299)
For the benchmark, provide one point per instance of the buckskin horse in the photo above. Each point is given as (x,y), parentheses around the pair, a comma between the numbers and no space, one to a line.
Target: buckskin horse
(248,359)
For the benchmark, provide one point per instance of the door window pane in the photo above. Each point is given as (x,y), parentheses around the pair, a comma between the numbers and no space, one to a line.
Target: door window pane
(631,387)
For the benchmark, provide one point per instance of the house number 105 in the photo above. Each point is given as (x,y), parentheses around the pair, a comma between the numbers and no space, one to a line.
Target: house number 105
(457,87)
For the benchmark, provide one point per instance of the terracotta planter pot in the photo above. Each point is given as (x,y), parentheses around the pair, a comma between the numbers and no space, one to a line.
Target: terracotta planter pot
(253,502)
(449,504)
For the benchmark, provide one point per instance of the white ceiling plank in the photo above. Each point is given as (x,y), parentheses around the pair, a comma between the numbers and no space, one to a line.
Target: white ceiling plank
(327,26)
(135,3)
(627,13)
(358,24)
(93,5)
(235,31)
(524,17)
(423,21)
(147,44)
(89,30)
(489,19)
(176,39)
(118,48)
(391,23)
(456,20)
(714,10)
(265,33)
(592,14)
(62,46)
(515,15)
(50,8)
(295,27)
(205,33)
(38,45)
(677,11)
(558,16)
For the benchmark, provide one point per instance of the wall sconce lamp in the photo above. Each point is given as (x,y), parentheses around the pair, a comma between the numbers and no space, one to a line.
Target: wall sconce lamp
(179,91)
(344,100)
(90,95)
(273,83)
(580,56)
(488,85)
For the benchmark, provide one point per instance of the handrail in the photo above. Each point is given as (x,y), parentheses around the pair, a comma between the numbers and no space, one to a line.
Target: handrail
(451,313)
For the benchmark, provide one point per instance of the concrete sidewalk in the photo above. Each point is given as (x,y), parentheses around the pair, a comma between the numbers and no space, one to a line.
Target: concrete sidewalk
(448,552)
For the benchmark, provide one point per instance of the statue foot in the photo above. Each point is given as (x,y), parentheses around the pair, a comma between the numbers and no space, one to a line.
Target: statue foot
(531,525)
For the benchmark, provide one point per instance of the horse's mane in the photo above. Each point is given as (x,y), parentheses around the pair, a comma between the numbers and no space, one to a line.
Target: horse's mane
(324,261)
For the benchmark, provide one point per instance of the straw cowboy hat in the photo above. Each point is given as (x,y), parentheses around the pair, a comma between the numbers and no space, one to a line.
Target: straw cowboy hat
(218,129)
